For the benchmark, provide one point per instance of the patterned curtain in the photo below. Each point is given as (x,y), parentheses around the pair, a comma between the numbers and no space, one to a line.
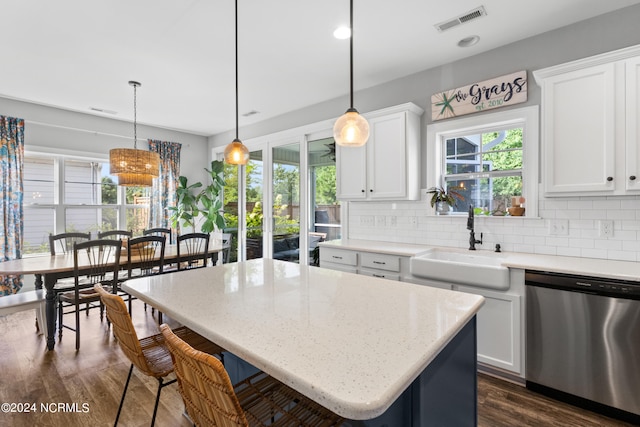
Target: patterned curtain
(163,193)
(11,168)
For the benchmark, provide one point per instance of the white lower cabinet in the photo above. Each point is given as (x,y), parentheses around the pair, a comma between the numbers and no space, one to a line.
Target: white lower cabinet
(500,325)
(339,259)
(371,264)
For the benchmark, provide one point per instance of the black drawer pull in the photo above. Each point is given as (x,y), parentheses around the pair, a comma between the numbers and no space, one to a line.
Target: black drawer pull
(336,257)
(609,178)
(379,275)
(379,262)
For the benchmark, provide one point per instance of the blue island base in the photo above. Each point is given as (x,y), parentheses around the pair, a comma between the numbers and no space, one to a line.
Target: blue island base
(445,393)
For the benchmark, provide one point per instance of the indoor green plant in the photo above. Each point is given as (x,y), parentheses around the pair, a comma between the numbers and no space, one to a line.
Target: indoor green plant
(444,199)
(208,202)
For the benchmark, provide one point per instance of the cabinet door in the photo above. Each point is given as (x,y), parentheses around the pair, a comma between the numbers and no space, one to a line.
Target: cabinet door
(579,130)
(632,120)
(498,325)
(387,170)
(351,176)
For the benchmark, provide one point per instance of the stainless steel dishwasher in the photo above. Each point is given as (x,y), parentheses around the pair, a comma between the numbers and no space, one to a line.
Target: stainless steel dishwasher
(583,341)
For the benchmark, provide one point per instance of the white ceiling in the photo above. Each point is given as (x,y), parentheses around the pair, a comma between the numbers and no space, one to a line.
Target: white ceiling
(77,54)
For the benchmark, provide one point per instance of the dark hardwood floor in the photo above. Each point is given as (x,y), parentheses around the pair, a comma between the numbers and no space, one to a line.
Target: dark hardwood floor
(83,388)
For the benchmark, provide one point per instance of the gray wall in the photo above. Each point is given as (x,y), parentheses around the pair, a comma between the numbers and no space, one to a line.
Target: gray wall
(598,35)
(77,133)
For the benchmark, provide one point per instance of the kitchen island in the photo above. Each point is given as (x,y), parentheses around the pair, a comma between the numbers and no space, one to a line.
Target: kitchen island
(369,349)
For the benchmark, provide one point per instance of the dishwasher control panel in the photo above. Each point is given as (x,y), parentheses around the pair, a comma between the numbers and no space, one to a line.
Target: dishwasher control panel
(596,285)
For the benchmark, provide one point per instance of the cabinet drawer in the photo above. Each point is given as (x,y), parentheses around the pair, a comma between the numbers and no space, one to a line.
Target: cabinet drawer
(381,262)
(338,256)
(381,274)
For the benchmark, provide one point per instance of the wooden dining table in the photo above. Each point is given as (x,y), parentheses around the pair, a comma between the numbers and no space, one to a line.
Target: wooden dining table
(379,351)
(49,269)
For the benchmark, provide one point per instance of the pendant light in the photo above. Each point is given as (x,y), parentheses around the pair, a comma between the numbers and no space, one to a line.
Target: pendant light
(236,153)
(351,129)
(133,167)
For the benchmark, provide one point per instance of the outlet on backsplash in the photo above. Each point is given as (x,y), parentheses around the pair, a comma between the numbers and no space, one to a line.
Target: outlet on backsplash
(367,221)
(559,227)
(606,228)
(381,221)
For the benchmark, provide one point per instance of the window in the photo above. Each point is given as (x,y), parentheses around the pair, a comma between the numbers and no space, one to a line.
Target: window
(490,160)
(71,194)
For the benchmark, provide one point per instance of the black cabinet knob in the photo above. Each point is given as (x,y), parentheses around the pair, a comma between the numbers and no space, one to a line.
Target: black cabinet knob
(371,190)
(363,190)
(609,178)
(632,177)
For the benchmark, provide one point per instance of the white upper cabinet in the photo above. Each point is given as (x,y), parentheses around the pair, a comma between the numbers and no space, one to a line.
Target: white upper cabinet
(632,153)
(387,166)
(590,125)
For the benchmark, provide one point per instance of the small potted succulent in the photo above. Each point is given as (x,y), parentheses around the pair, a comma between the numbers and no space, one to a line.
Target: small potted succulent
(444,200)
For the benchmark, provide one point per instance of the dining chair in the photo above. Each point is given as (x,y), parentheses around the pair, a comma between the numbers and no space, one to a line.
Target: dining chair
(159,231)
(211,400)
(94,261)
(149,355)
(115,234)
(192,250)
(63,242)
(147,253)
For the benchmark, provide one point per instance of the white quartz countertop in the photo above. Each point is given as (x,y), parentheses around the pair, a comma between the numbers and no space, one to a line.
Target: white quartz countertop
(402,249)
(352,343)
(612,269)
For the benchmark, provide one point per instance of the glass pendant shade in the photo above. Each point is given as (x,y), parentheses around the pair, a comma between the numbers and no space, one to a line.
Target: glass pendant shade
(351,129)
(133,167)
(236,153)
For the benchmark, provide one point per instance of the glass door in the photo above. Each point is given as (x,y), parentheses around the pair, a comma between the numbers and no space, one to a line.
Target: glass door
(285,202)
(324,208)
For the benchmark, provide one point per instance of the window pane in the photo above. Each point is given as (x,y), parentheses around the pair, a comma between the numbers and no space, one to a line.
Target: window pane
(82,182)
(502,160)
(492,195)
(38,224)
(39,181)
(138,218)
(91,219)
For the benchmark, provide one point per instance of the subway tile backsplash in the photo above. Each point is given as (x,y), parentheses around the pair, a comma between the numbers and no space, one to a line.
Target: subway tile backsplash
(408,222)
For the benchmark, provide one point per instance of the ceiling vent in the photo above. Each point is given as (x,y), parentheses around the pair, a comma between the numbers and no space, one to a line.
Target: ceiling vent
(462,19)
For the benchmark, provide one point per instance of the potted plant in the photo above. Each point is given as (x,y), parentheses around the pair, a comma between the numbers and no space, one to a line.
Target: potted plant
(208,202)
(444,200)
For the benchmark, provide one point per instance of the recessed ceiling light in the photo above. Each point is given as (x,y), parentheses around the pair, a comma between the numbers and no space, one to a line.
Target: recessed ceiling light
(342,33)
(468,41)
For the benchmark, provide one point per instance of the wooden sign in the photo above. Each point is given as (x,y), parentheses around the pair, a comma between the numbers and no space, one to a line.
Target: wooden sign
(487,95)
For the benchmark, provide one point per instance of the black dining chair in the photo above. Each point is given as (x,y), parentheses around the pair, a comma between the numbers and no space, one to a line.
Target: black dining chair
(115,234)
(94,261)
(62,243)
(192,250)
(147,254)
(159,231)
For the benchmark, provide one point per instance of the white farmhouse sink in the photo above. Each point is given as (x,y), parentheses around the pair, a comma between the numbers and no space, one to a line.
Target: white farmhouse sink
(482,269)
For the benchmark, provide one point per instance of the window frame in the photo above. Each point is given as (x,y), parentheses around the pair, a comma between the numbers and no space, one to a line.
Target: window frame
(527,118)
(60,205)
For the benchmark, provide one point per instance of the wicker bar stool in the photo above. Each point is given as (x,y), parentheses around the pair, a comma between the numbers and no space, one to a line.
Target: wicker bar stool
(150,355)
(259,400)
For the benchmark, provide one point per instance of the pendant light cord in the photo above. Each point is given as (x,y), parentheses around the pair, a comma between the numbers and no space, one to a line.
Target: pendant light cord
(351,52)
(237,70)
(135,117)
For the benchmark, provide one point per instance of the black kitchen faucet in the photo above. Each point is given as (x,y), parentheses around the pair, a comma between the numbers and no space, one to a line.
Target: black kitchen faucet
(472,234)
